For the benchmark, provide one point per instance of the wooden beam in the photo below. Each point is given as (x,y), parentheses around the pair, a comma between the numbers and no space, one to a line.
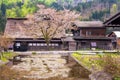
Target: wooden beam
(112,19)
(112,25)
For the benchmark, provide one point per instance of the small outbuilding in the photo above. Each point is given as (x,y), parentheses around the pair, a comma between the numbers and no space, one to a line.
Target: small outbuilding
(116,39)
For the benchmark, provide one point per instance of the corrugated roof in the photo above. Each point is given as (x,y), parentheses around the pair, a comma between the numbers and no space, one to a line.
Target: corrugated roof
(88,23)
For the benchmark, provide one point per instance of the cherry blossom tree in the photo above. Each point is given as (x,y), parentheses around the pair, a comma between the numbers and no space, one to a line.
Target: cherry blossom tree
(50,23)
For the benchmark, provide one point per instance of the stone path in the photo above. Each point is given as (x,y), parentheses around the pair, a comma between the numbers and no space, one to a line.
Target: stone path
(43,66)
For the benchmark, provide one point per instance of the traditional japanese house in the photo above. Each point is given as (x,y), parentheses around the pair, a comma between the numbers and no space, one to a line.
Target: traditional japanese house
(23,41)
(91,34)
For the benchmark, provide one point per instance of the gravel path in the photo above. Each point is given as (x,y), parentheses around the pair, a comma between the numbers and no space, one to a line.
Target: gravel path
(43,66)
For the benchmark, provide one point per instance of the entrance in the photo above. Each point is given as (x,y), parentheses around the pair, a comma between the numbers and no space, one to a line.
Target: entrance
(20,46)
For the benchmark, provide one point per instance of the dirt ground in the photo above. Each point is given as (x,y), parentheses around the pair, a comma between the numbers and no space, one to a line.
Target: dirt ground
(77,72)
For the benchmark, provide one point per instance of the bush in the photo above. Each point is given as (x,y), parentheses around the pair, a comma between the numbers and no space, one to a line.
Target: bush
(117,78)
(6,55)
(33,53)
(110,64)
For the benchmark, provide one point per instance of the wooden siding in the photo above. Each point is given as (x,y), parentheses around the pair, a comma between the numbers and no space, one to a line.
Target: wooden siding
(92,32)
(98,44)
(30,44)
(118,43)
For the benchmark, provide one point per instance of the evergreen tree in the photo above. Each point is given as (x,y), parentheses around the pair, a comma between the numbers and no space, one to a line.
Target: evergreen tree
(2,17)
(2,22)
(3,9)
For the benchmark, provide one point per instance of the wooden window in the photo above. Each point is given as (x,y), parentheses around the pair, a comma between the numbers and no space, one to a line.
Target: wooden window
(93,44)
(38,44)
(42,44)
(34,44)
(52,44)
(86,33)
(45,44)
(30,44)
(90,33)
(18,44)
(56,45)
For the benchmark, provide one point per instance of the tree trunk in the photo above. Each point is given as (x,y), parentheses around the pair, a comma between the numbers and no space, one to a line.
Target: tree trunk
(48,47)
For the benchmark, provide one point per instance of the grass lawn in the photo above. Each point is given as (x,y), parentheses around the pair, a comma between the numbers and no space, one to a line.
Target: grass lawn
(93,61)
(100,62)
(6,55)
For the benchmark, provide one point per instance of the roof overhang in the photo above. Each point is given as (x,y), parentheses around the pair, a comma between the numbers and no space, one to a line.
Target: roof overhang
(35,40)
(114,21)
(93,38)
(17,18)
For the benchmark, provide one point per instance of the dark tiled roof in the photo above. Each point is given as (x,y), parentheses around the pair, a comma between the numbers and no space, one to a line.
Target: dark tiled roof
(36,39)
(17,18)
(113,21)
(88,23)
(92,38)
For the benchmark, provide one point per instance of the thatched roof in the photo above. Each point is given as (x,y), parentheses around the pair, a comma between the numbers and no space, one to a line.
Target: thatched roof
(17,28)
(14,27)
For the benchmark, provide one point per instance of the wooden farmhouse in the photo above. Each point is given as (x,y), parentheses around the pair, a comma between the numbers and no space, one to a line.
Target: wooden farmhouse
(23,41)
(91,34)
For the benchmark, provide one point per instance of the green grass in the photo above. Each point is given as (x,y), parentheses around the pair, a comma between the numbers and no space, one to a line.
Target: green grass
(6,55)
(86,60)
(108,62)
(117,78)
(91,61)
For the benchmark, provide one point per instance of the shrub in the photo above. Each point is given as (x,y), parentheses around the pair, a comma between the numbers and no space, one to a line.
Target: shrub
(33,53)
(117,78)
(110,64)
(6,55)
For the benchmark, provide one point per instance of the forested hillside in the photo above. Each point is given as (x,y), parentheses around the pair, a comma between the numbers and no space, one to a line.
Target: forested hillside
(89,9)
